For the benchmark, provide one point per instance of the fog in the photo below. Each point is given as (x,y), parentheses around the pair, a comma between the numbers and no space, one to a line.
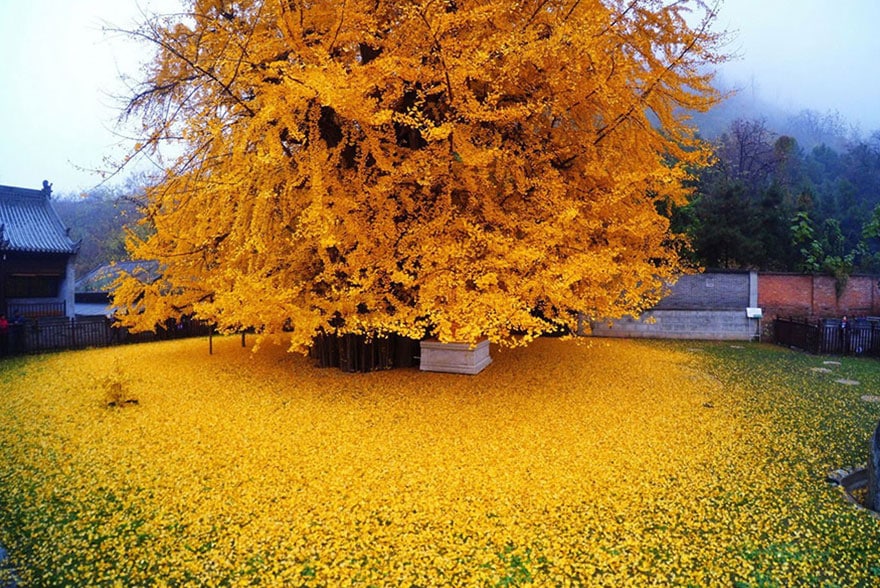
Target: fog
(810,54)
(60,72)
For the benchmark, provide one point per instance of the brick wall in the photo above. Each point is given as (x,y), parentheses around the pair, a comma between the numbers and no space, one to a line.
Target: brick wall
(815,296)
(713,305)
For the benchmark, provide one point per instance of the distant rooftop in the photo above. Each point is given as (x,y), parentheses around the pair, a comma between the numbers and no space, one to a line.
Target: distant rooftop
(29,223)
(101,279)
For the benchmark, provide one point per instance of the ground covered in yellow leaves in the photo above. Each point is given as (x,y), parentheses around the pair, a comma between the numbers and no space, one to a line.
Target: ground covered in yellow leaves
(612,463)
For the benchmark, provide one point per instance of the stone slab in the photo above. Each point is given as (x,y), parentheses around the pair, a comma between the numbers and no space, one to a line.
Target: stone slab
(847,382)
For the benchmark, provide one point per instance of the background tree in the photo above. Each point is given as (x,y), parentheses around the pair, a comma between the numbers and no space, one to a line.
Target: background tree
(844,190)
(766,204)
(742,213)
(441,166)
(98,219)
(746,155)
(723,235)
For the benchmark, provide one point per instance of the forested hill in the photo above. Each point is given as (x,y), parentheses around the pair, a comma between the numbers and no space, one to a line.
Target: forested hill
(809,127)
(97,219)
(789,192)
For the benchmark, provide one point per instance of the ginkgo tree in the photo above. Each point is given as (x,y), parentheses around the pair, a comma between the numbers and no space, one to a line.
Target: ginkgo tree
(453,168)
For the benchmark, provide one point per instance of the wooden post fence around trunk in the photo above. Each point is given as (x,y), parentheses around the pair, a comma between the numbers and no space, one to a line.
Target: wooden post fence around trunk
(874,471)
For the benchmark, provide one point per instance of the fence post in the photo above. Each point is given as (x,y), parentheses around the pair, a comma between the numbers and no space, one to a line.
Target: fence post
(872,346)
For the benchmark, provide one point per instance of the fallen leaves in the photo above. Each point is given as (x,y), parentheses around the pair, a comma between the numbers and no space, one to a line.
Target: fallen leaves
(561,464)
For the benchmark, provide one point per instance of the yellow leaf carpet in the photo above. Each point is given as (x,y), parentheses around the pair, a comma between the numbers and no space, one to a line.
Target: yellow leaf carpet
(608,463)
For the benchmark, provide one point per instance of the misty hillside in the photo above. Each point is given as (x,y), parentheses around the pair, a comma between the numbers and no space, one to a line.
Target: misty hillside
(97,220)
(809,127)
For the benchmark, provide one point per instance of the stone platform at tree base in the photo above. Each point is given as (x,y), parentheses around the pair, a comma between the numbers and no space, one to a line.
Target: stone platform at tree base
(454,358)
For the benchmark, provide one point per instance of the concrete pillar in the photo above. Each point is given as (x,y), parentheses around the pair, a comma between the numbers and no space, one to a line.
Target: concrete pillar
(753,289)
(68,288)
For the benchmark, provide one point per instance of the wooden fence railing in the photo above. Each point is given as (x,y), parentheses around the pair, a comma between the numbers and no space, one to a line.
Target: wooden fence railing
(35,310)
(830,336)
(358,353)
(350,353)
(56,334)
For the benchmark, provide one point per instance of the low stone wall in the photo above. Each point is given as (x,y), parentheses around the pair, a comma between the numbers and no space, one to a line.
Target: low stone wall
(711,291)
(712,305)
(731,325)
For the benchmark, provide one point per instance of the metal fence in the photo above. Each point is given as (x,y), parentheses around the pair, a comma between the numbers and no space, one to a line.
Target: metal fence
(56,334)
(830,336)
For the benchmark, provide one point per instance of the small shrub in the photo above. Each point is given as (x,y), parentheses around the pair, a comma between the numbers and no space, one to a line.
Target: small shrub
(116,387)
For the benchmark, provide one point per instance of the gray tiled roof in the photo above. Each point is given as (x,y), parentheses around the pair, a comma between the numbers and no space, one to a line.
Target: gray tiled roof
(29,223)
(100,279)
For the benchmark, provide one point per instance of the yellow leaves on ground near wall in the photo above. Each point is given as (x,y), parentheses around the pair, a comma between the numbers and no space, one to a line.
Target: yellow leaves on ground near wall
(614,463)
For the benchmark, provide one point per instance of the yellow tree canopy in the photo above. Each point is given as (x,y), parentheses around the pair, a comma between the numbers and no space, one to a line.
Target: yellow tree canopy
(447,167)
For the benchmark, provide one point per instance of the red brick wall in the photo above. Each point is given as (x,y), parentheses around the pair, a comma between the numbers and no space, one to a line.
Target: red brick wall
(815,296)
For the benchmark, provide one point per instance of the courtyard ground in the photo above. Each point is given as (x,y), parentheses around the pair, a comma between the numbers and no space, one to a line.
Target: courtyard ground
(608,463)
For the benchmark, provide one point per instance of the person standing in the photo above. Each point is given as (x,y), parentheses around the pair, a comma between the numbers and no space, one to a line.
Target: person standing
(4,335)
(16,334)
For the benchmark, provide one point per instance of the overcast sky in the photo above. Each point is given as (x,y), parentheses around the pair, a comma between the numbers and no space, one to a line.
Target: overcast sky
(59,71)
(822,55)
